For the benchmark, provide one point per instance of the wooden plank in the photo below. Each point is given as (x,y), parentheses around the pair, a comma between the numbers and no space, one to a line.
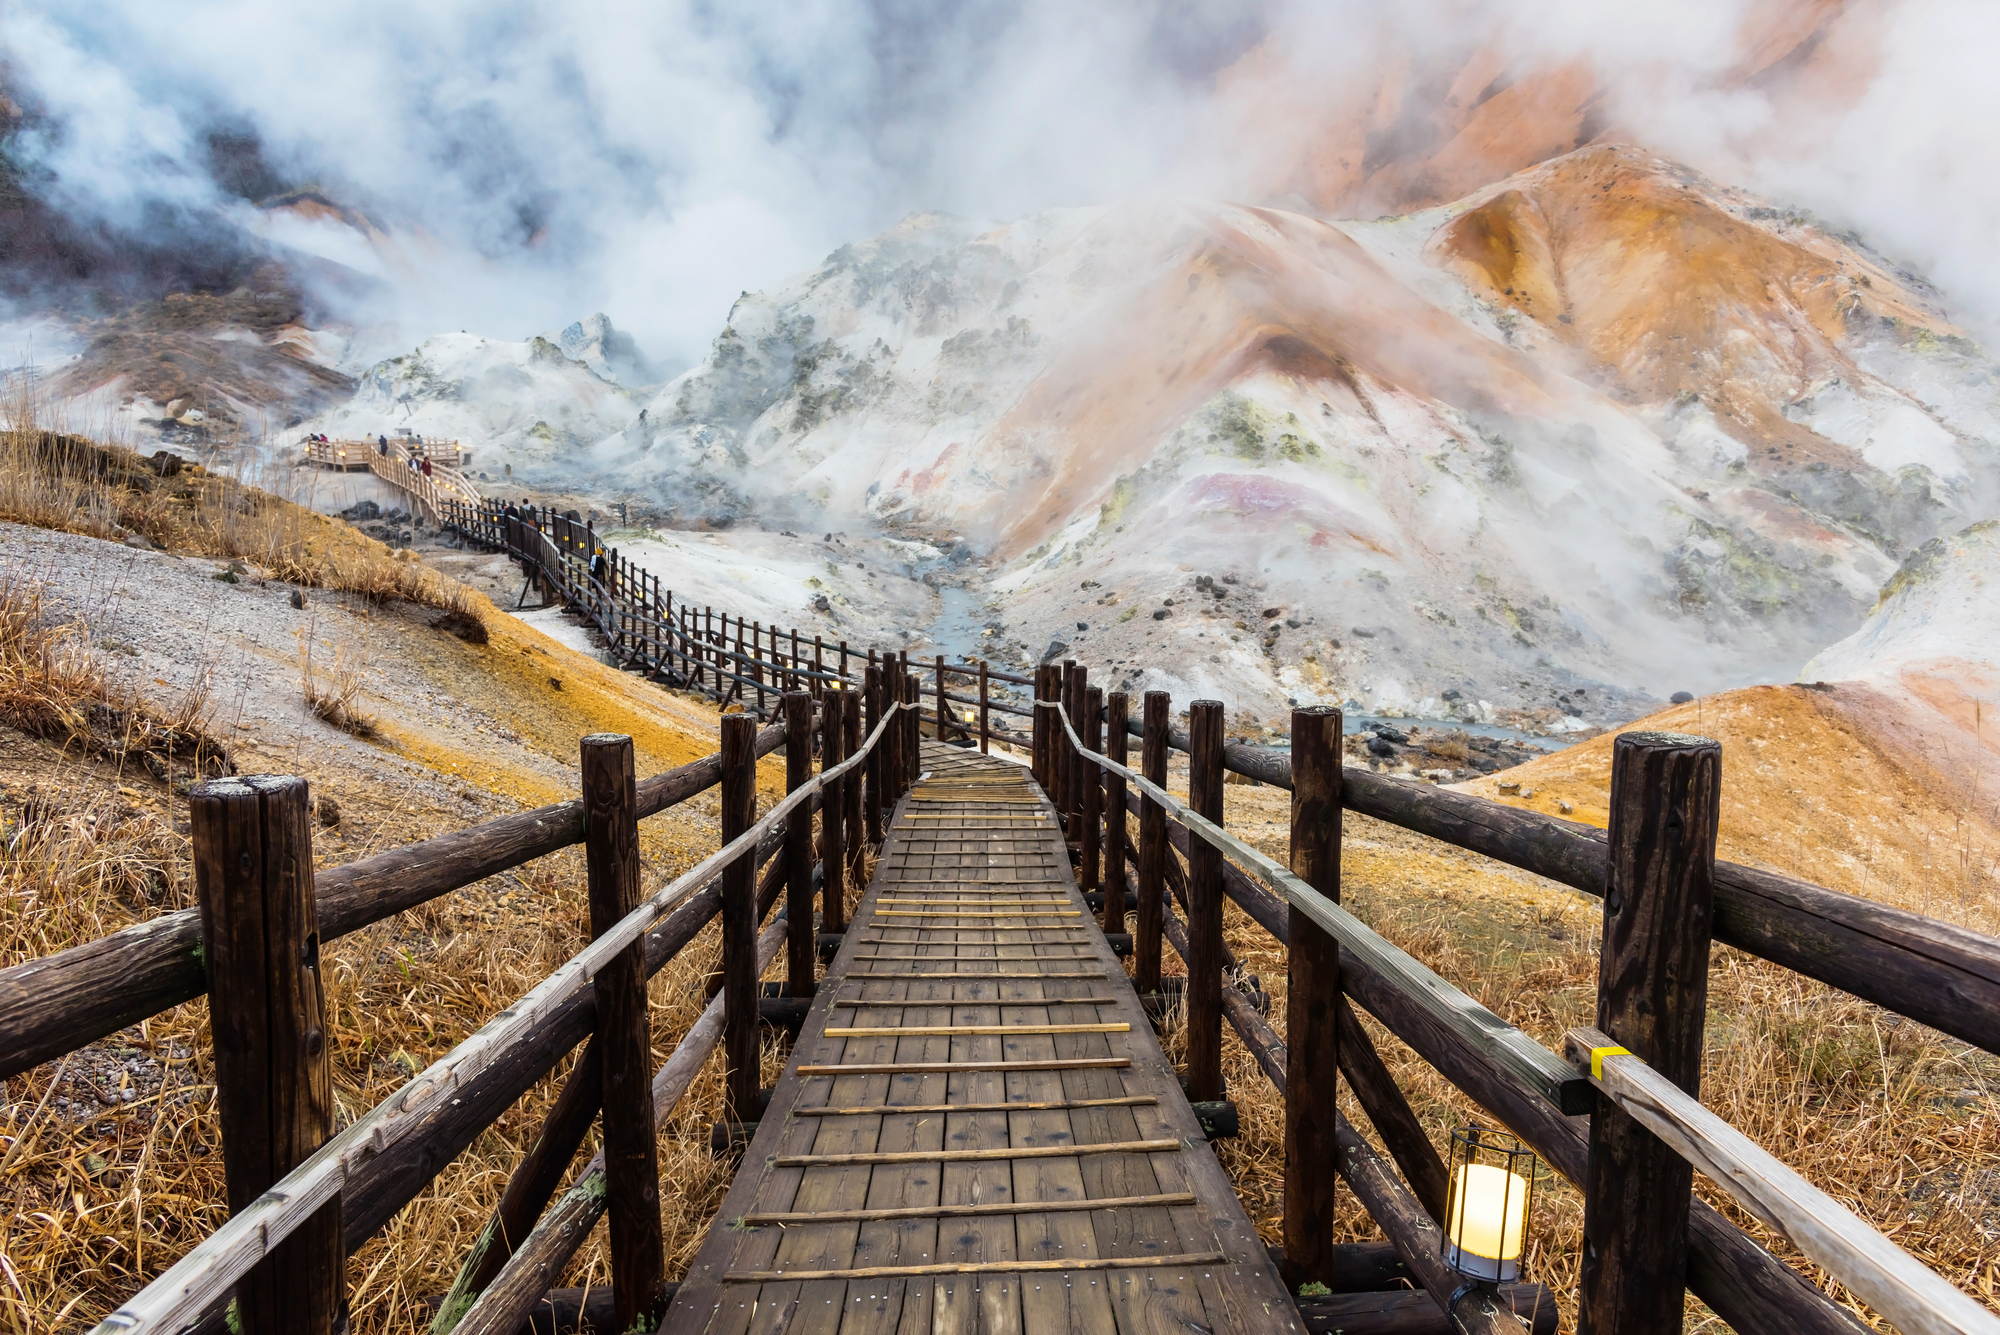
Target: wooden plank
(871,1032)
(1914,1298)
(954,1067)
(624,1036)
(839,1002)
(1010,1105)
(1652,995)
(1033,1206)
(252,847)
(978,1268)
(969,1156)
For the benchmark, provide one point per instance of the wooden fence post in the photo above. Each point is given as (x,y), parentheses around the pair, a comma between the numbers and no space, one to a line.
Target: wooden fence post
(1038,730)
(833,704)
(1652,997)
(1090,786)
(1115,748)
(1152,845)
(801,944)
(985,729)
(253,874)
(1204,906)
(1312,997)
(943,706)
(913,757)
(1066,766)
(871,703)
(624,1035)
(857,834)
(739,922)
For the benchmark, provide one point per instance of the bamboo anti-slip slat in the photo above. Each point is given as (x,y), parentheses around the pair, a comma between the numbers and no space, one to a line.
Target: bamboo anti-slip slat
(950,1068)
(922,1002)
(897,1109)
(1159,1200)
(982,913)
(940,1030)
(972,1156)
(975,1268)
(960,977)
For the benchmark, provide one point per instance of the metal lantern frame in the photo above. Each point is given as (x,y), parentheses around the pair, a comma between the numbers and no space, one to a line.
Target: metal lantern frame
(1474,1145)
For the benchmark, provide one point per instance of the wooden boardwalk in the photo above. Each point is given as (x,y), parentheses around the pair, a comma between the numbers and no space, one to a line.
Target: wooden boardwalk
(978,1130)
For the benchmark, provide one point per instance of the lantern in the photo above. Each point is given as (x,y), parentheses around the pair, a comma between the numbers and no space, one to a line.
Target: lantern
(1492,1177)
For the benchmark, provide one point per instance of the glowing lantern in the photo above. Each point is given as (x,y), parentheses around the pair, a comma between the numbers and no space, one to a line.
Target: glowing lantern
(1492,1178)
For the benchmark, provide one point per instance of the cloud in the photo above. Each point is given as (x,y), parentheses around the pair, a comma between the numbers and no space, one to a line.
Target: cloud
(534,160)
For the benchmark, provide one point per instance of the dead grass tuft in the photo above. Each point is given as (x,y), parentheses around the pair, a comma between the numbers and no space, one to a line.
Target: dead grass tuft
(53,685)
(332,688)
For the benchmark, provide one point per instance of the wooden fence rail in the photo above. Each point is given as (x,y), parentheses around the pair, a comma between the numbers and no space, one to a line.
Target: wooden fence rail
(262,1234)
(1648,1237)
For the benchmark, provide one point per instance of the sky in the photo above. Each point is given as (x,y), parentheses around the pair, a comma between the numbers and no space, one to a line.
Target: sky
(532,162)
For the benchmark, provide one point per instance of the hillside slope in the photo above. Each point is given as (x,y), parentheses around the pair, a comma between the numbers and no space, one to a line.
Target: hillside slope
(1604,424)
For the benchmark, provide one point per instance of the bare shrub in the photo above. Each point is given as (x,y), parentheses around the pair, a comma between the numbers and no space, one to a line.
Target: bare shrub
(332,687)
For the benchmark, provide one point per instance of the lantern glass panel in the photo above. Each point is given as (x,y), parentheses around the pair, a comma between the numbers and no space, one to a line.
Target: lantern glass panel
(1492,1179)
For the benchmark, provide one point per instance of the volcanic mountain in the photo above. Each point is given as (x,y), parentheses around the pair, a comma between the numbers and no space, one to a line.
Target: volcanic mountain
(1602,424)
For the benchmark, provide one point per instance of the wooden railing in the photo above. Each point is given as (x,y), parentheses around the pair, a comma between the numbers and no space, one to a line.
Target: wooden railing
(733,660)
(1666,897)
(351,455)
(301,1197)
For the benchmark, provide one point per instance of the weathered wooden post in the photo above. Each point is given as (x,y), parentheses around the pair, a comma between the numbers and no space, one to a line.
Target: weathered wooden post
(913,693)
(1312,1002)
(1152,844)
(801,944)
(755,666)
(857,834)
(253,874)
(985,728)
(1115,748)
(624,1035)
(1090,785)
(819,667)
(943,705)
(739,922)
(833,705)
(1038,727)
(1652,997)
(1204,906)
(1066,765)
(871,703)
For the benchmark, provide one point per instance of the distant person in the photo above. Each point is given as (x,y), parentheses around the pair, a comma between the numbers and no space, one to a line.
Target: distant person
(426,468)
(599,571)
(382,446)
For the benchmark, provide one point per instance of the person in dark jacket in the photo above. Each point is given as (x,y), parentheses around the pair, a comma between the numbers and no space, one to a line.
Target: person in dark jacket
(599,570)
(382,446)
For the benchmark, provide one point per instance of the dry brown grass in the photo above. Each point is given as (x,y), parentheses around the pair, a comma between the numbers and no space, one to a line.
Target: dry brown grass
(1893,1119)
(101,1191)
(332,687)
(54,685)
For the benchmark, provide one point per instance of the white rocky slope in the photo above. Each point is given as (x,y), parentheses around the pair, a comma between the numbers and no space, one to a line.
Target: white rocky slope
(1603,429)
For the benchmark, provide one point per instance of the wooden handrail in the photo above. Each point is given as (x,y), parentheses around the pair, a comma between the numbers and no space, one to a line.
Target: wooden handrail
(1507,1047)
(60,1002)
(1934,972)
(1916,1299)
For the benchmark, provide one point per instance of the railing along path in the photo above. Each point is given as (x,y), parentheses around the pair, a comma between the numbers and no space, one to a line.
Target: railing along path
(1036,1085)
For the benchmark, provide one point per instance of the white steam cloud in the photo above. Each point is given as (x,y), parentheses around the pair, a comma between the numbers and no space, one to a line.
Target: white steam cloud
(532,161)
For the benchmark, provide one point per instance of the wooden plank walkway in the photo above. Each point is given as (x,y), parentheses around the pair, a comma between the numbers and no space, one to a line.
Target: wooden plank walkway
(977,1130)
